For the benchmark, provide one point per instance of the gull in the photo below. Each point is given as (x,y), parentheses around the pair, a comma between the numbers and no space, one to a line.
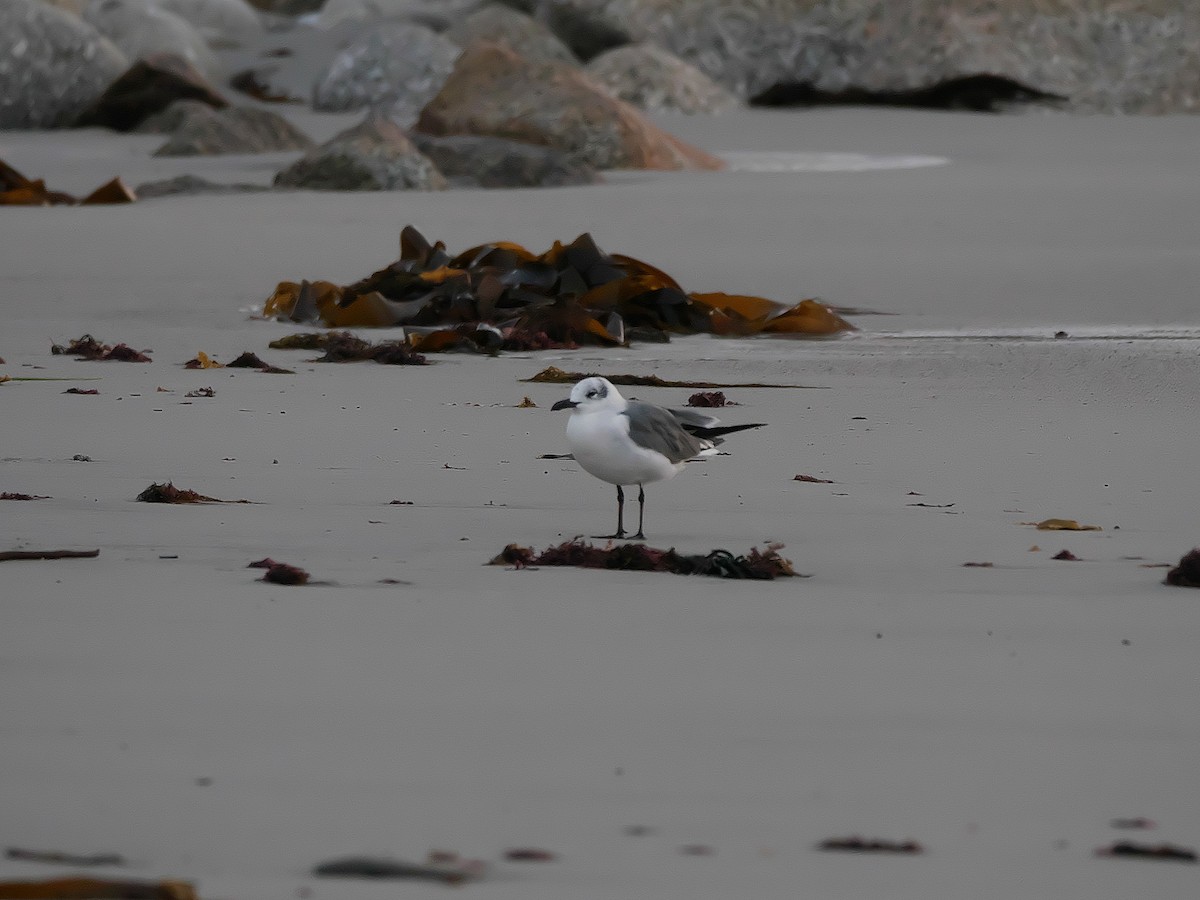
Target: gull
(628,442)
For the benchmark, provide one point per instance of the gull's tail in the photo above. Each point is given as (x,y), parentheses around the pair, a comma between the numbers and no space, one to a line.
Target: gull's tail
(714,434)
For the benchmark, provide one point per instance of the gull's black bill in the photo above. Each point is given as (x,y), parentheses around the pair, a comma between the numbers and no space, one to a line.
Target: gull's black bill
(565,404)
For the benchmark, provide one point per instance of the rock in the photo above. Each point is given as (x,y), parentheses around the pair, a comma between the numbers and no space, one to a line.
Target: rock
(652,79)
(1141,58)
(438,14)
(220,22)
(588,29)
(496,163)
(977,93)
(72,6)
(141,28)
(504,25)
(493,91)
(190,185)
(148,87)
(395,64)
(288,7)
(167,120)
(52,65)
(373,156)
(204,131)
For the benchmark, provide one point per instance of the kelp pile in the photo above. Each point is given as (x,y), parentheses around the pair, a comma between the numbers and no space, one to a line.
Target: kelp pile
(500,296)
(760,565)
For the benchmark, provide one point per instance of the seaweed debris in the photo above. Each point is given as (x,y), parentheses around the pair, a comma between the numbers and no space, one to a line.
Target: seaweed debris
(555,375)
(1187,573)
(870,845)
(87,347)
(168,493)
(342,346)
(1168,852)
(280,573)
(760,565)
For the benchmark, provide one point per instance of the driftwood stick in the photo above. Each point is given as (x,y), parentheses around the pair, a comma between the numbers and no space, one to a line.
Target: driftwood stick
(48,554)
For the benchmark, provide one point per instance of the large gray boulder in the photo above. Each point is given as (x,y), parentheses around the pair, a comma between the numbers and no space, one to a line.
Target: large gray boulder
(502,24)
(52,65)
(397,65)
(1138,56)
(496,92)
(489,162)
(654,80)
(373,156)
(142,28)
(204,131)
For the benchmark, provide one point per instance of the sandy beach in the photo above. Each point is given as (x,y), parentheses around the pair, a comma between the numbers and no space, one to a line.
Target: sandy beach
(161,703)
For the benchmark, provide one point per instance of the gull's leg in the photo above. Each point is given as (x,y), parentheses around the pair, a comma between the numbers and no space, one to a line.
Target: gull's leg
(641,513)
(620,518)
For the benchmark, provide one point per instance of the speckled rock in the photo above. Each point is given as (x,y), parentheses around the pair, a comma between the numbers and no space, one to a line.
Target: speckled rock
(204,131)
(502,24)
(52,65)
(71,6)
(439,14)
(489,162)
(220,22)
(149,86)
(589,29)
(493,91)
(141,28)
(167,120)
(373,156)
(653,79)
(397,65)
(1141,56)
(192,185)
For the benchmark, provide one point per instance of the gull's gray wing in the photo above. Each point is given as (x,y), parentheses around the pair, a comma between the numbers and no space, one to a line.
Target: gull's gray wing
(657,429)
(693,417)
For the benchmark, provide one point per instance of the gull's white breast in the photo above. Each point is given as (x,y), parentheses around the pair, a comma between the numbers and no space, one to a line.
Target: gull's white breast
(601,444)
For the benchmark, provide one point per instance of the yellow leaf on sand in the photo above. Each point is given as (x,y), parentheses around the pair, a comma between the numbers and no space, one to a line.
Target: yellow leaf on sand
(206,362)
(1065,525)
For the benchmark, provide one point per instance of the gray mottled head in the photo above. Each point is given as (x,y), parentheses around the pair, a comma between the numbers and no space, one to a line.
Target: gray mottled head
(592,394)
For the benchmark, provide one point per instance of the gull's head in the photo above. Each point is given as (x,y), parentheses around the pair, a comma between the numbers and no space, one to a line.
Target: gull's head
(592,394)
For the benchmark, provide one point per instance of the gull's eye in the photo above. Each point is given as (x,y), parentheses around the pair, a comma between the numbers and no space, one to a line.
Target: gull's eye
(591,393)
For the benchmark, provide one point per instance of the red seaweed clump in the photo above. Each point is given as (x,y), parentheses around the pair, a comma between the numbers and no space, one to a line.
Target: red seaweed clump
(1187,573)
(280,573)
(168,493)
(708,399)
(869,845)
(1168,852)
(87,347)
(762,565)
(342,346)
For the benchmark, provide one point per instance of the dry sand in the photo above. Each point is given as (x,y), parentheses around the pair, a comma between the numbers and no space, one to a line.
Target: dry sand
(1000,716)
